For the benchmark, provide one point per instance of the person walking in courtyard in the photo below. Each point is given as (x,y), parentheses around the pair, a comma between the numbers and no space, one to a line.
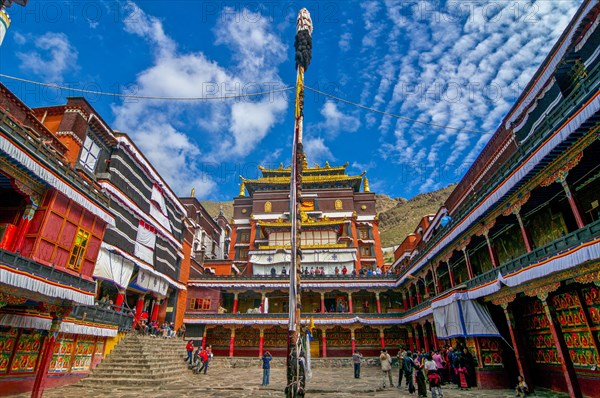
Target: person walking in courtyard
(401,354)
(408,366)
(432,374)
(266,360)
(386,367)
(204,359)
(421,388)
(356,357)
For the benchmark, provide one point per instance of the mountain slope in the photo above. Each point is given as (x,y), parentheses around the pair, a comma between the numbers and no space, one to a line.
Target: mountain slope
(400,220)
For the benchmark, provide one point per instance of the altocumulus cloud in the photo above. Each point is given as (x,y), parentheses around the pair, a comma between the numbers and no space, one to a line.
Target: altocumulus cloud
(460,66)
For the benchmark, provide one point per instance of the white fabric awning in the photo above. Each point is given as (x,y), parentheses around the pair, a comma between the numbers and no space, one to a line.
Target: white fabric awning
(320,257)
(463,318)
(37,284)
(149,281)
(34,322)
(113,266)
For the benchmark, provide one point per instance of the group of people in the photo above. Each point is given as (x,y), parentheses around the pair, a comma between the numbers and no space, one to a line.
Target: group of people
(198,361)
(313,271)
(448,365)
(155,329)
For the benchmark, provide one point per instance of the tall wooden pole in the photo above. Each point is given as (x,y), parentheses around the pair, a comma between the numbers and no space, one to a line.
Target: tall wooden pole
(296,359)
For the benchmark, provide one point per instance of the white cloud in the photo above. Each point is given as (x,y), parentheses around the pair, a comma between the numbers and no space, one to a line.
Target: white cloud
(461,70)
(344,42)
(335,121)
(226,128)
(317,151)
(52,57)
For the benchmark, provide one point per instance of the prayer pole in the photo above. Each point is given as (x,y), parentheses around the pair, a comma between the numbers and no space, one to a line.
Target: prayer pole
(296,359)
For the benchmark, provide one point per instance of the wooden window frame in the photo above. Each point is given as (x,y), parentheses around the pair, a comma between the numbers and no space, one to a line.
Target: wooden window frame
(78,249)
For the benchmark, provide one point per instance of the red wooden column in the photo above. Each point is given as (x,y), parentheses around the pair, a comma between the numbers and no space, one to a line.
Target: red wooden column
(120,299)
(382,337)
(261,342)
(48,349)
(418,291)
(468,263)
(434,337)
(350,309)
(24,223)
(411,339)
(405,301)
(232,342)
(560,176)
(204,338)
(571,199)
(155,307)
(411,300)
(562,350)
(519,353)
(450,273)
(515,209)
(139,308)
(324,342)
(263,295)
(425,338)
(491,249)
(524,233)
(418,338)
(378,302)
(322,302)
(353,340)
(235,302)
(436,281)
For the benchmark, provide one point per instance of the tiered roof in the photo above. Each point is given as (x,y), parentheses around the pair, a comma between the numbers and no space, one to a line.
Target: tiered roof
(316,177)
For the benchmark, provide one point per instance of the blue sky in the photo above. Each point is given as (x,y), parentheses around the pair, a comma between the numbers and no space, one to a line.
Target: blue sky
(458,64)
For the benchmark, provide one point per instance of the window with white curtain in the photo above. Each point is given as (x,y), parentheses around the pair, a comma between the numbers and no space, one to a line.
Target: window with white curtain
(89,154)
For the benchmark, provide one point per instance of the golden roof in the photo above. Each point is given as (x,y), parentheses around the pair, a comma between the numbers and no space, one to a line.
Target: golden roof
(307,170)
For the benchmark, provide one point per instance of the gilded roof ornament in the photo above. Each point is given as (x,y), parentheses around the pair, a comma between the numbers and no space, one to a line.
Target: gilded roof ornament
(366,182)
(242,189)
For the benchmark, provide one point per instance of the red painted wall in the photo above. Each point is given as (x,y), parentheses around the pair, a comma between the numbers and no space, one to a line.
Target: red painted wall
(194,292)
(53,229)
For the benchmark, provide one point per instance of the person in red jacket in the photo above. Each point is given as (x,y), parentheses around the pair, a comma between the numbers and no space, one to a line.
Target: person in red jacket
(204,357)
(190,350)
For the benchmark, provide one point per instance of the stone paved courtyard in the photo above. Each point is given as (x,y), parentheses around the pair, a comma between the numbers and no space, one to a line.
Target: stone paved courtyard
(245,382)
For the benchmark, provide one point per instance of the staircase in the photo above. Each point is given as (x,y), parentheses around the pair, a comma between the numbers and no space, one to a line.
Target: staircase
(140,361)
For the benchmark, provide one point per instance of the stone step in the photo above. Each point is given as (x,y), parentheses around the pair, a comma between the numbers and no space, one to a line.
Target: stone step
(143,359)
(142,373)
(127,381)
(144,353)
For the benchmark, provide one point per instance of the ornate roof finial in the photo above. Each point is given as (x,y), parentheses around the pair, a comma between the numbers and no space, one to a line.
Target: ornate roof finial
(193,194)
(304,163)
(280,166)
(366,180)
(242,189)
(327,166)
